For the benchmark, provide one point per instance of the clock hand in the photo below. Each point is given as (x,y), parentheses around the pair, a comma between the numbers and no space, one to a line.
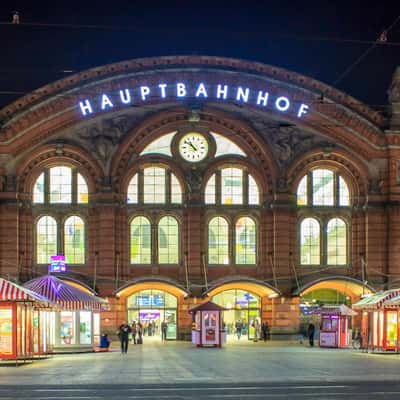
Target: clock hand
(191,145)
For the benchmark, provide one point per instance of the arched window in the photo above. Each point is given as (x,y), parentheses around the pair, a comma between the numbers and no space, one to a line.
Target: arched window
(168,241)
(154,185)
(231,186)
(310,247)
(74,240)
(218,241)
(140,241)
(46,239)
(336,242)
(60,185)
(323,187)
(245,237)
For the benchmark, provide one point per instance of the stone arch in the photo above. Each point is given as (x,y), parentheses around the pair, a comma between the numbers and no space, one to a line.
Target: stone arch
(48,155)
(213,120)
(352,169)
(344,284)
(256,286)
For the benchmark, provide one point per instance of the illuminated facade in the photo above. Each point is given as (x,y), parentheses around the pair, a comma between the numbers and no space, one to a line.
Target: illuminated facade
(171,181)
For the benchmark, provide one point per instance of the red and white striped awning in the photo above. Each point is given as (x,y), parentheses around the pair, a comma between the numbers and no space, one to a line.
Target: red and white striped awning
(377,300)
(10,291)
(65,295)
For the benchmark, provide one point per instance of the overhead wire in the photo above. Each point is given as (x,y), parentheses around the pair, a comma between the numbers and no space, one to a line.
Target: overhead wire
(364,54)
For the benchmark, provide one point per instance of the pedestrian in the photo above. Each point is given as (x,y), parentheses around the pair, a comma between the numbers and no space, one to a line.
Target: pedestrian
(239,327)
(257,329)
(104,341)
(265,331)
(123,334)
(140,333)
(134,332)
(310,333)
(164,327)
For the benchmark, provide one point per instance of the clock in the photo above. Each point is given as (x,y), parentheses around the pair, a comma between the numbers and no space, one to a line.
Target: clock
(193,147)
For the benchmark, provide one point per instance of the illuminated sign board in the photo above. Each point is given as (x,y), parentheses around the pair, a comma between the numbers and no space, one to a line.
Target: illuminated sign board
(184,90)
(154,300)
(57,264)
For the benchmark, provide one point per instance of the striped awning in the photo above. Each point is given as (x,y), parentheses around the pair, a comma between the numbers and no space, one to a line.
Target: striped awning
(10,291)
(65,295)
(377,300)
(341,309)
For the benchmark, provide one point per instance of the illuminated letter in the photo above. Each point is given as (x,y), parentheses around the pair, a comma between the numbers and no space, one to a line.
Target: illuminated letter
(242,95)
(86,108)
(180,90)
(162,87)
(144,92)
(262,99)
(201,90)
(106,102)
(285,101)
(222,92)
(302,110)
(125,97)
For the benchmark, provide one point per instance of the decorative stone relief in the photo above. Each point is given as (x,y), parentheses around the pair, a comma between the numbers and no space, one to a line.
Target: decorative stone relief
(394,90)
(102,137)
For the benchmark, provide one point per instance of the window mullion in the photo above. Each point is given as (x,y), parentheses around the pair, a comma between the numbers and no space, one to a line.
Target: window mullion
(310,194)
(218,187)
(140,186)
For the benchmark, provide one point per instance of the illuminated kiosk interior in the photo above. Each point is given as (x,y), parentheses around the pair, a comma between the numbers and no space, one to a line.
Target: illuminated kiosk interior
(77,325)
(151,303)
(241,301)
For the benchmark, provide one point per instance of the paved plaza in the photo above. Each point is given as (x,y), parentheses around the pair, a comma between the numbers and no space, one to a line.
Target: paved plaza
(180,362)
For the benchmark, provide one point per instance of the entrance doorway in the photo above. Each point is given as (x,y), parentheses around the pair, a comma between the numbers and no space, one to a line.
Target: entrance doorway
(242,309)
(151,308)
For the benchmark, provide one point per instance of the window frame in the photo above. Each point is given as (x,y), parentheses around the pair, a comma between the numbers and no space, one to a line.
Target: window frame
(60,238)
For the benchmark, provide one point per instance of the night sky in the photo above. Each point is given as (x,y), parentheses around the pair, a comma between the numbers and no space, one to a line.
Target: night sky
(318,39)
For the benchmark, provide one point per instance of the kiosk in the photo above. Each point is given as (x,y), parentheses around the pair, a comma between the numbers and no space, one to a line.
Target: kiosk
(207,327)
(334,326)
(24,322)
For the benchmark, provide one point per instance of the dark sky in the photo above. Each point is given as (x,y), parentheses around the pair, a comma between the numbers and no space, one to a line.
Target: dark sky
(289,34)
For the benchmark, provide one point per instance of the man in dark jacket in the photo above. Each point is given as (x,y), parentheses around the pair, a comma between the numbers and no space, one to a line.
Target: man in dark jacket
(123,334)
(310,332)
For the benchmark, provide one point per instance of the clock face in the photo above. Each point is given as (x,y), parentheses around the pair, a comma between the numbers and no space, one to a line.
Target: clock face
(193,147)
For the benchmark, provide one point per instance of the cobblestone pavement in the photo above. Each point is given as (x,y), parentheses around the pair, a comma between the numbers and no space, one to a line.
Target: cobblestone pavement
(180,362)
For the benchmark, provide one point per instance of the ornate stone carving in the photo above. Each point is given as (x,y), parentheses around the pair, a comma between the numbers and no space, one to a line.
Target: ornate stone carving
(288,141)
(394,90)
(103,136)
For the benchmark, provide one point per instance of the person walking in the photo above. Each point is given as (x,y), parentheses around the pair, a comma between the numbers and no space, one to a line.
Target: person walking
(123,333)
(239,327)
(140,333)
(265,331)
(134,332)
(257,329)
(164,327)
(310,333)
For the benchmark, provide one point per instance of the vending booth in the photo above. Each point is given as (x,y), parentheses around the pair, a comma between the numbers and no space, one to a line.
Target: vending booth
(24,322)
(207,327)
(334,330)
(77,325)
(381,320)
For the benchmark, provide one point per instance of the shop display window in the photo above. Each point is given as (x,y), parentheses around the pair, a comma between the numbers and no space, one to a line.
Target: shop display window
(6,331)
(67,327)
(85,327)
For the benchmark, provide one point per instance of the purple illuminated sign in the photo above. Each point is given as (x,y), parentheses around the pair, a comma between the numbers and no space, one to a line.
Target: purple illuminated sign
(57,264)
(149,316)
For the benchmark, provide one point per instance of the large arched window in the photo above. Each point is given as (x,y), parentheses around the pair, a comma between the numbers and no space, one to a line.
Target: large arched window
(336,242)
(323,197)
(168,241)
(323,187)
(310,246)
(154,185)
(231,186)
(60,185)
(74,240)
(46,239)
(218,241)
(140,241)
(245,238)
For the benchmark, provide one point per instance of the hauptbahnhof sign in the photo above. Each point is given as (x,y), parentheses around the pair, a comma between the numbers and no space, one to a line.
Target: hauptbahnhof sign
(184,90)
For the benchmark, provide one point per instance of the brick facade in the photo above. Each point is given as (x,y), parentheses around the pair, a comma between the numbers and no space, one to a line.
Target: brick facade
(46,128)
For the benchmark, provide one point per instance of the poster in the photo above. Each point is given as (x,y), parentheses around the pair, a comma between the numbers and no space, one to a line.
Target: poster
(6,331)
